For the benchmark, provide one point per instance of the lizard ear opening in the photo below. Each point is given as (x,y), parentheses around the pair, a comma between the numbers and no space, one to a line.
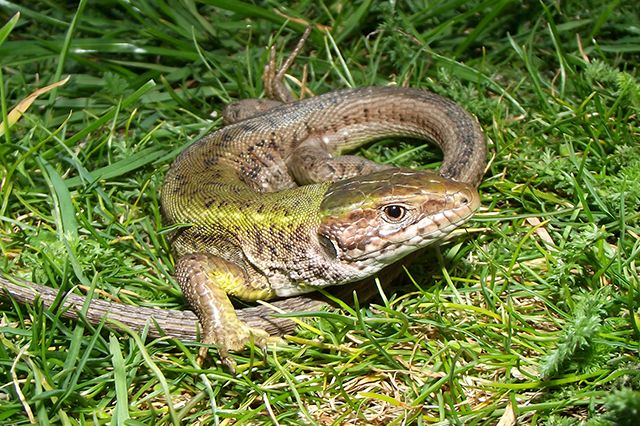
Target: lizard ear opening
(327,246)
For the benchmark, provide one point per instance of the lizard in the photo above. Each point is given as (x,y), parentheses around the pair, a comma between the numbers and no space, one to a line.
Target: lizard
(268,207)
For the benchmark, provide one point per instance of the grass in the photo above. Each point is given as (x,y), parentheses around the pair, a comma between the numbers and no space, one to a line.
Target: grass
(535,312)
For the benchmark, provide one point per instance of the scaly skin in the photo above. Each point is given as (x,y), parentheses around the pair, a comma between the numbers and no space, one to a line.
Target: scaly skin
(255,234)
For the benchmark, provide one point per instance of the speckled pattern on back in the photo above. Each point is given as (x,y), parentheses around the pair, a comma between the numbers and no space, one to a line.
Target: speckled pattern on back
(234,188)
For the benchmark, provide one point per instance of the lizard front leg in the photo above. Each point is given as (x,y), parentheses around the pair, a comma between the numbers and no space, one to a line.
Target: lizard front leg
(206,280)
(313,162)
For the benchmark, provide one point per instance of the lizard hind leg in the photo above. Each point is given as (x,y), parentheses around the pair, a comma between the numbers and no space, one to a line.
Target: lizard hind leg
(276,90)
(205,280)
(272,76)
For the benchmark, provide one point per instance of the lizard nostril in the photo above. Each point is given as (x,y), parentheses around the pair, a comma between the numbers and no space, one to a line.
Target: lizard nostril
(464,198)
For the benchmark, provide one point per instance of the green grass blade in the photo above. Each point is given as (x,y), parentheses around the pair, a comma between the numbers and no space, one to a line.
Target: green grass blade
(8,27)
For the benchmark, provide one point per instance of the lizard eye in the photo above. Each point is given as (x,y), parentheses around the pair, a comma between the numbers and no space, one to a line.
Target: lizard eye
(394,212)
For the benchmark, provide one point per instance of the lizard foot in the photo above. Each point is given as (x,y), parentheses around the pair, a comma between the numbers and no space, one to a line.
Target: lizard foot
(234,338)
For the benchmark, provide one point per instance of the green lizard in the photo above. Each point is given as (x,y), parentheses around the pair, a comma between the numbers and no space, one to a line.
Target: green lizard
(274,210)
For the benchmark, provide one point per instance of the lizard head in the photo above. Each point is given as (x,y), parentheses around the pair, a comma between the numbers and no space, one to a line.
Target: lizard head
(373,220)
